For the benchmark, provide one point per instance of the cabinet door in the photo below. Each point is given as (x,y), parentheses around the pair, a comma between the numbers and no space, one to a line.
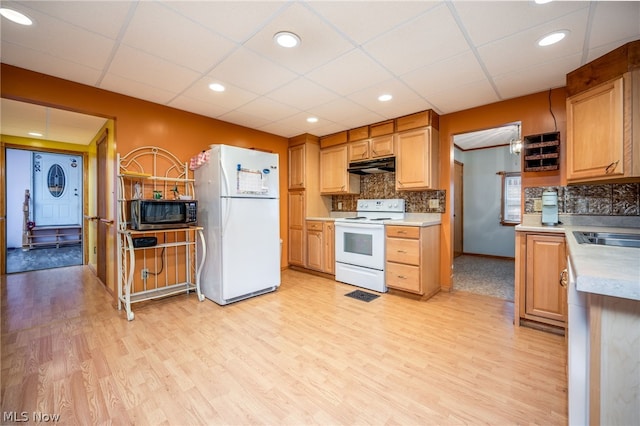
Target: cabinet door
(334,178)
(403,277)
(329,248)
(297,170)
(358,150)
(297,249)
(382,146)
(595,133)
(315,250)
(545,298)
(416,161)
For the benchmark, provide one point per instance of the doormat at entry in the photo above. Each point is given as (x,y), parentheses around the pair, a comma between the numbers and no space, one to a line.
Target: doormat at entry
(362,295)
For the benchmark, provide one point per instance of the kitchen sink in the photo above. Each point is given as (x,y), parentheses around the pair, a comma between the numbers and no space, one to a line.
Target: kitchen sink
(608,239)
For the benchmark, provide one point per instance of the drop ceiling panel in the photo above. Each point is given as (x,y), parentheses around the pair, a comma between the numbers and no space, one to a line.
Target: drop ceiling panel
(100,17)
(462,96)
(614,21)
(405,100)
(302,93)
(188,43)
(350,73)
(319,42)
(136,89)
(142,67)
(363,21)
(252,72)
(429,38)
(235,20)
(231,98)
(509,17)
(497,62)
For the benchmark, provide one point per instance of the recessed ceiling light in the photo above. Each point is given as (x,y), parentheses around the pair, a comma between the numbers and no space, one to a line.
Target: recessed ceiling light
(36,134)
(15,16)
(552,38)
(216,87)
(542,1)
(312,120)
(287,39)
(385,98)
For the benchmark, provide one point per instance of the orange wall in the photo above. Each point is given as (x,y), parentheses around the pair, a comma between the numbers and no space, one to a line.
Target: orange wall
(141,123)
(534,113)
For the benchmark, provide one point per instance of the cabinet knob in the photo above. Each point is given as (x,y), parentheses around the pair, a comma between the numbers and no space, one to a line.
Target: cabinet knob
(564,278)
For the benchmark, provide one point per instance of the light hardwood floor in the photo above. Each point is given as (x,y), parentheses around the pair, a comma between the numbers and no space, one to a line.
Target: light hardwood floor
(302,355)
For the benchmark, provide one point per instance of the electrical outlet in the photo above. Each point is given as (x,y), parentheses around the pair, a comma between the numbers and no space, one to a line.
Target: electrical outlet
(339,205)
(144,273)
(537,205)
(434,204)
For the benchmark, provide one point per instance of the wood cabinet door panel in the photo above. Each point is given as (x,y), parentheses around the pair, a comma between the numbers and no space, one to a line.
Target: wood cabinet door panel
(382,146)
(546,258)
(297,170)
(595,133)
(359,151)
(329,246)
(314,250)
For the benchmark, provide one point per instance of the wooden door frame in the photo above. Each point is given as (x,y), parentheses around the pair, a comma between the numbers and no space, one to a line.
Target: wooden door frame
(461,208)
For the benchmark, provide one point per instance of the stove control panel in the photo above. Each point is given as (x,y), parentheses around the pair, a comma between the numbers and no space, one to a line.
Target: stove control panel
(381,205)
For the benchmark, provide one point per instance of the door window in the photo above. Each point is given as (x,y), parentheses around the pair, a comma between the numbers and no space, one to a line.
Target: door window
(56,180)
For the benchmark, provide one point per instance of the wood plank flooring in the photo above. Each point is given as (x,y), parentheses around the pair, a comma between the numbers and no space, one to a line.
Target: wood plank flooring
(305,354)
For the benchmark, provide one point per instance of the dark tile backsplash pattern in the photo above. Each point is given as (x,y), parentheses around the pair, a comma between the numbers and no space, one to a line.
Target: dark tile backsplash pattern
(598,200)
(383,185)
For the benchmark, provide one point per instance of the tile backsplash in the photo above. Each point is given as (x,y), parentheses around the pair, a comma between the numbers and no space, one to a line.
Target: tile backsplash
(597,200)
(383,185)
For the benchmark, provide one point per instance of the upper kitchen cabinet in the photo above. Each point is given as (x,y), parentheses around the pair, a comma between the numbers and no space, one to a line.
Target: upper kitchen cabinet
(417,159)
(603,107)
(334,178)
(333,139)
(378,147)
(297,156)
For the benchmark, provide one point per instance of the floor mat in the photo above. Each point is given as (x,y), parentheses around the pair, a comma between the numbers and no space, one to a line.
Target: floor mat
(362,295)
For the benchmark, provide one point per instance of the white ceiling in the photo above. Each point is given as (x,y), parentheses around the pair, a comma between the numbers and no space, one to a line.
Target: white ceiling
(444,55)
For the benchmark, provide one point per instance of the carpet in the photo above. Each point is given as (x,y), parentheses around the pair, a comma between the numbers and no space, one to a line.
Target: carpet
(362,295)
(484,275)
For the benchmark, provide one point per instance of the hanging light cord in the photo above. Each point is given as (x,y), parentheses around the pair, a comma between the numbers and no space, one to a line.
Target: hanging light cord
(555,124)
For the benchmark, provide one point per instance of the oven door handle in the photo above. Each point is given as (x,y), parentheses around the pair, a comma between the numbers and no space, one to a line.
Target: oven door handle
(343,226)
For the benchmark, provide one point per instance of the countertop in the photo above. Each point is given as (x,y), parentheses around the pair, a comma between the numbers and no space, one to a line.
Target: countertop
(598,269)
(411,219)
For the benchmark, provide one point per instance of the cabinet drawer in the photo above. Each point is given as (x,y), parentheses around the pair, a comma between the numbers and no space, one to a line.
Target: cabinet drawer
(314,225)
(403,250)
(403,231)
(403,277)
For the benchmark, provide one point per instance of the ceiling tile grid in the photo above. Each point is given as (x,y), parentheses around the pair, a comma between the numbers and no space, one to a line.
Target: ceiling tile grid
(444,55)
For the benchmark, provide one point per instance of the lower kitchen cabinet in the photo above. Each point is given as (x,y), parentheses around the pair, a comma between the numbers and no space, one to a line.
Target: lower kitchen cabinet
(297,252)
(320,246)
(413,259)
(540,260)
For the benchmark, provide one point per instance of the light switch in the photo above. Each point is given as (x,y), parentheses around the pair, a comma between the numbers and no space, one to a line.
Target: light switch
(434,204)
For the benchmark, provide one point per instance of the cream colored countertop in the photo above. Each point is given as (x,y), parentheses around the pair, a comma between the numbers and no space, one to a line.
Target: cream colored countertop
(411,219)
(598,269)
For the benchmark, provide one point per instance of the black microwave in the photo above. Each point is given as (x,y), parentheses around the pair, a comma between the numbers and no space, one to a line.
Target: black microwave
(163,214)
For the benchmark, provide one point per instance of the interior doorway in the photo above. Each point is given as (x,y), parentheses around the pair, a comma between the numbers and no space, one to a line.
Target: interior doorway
(44,199)
(458,208)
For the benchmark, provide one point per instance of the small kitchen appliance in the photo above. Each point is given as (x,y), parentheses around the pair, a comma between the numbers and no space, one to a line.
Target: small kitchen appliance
(550,208)
(360,243)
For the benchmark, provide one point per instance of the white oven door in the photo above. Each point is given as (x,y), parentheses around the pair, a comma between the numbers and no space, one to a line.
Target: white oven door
(360,244)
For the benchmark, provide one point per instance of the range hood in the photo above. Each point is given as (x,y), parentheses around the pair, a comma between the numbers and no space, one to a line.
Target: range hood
(379,165)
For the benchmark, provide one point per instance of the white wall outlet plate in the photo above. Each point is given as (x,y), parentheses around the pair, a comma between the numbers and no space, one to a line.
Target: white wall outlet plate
(434,204)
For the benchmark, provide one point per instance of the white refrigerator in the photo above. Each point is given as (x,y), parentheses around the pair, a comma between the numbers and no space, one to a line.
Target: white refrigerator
(239,209)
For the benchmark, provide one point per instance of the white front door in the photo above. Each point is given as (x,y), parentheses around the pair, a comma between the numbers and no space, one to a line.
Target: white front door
(57,189)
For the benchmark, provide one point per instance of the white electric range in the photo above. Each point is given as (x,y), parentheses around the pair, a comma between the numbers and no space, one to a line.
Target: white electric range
(360,243)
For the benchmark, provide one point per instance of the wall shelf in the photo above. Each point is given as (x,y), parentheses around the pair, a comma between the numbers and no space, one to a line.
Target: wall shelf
(541,152)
